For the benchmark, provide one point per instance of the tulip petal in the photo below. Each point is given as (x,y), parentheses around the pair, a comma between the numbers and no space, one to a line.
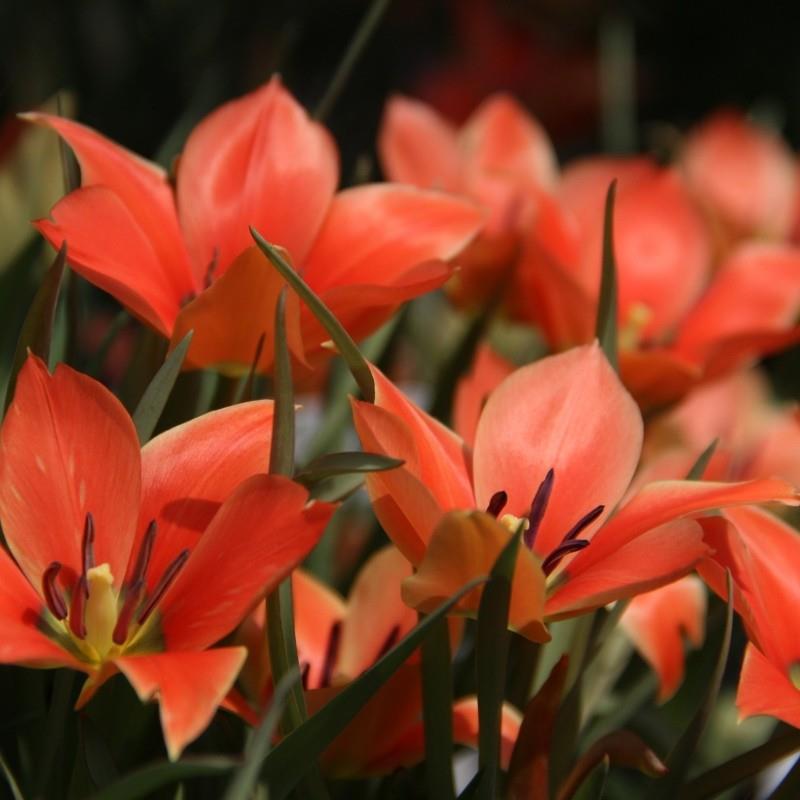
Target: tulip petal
(755,293)
(316,610)
(375,234)
(108,247)
(375,614)
(189,470)
(465,546)
(234,313)
(418,146)
(568,413)
(69,448)
(189,688)
(473,390)
(657,621)
(21,640)
(642,564)
(261,532)
(764,688)
(260,161)
(660,502)
(657,376)
(140,186)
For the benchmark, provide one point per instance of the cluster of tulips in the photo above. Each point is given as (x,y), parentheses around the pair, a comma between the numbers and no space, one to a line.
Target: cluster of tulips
(573,503)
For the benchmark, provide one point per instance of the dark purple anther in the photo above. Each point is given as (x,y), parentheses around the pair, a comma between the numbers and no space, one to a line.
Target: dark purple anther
(88,543)
(584,522)
(52,594)
(564,549)
(538,507)
(167,578)
(331,652)
(497,504)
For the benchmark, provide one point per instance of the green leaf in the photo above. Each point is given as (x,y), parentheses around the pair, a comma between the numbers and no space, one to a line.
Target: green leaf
(363,34)
(680,758)
(281,459)
(332,464)
(491,655)
(294,756)
(11,781)
(352,356)
(789,787)
(37,330)
(437,712)
(142,782)
(246,777)
(606,329)
(150,407)
(699,466)
(729,774)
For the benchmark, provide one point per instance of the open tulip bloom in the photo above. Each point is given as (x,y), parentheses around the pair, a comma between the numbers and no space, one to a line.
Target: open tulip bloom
(555,451)
(183,259)
(140,562)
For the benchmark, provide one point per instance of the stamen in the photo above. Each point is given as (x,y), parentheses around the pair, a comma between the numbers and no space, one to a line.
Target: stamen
(88,543)
(77,609)
(132,599)
(389,642)
(538,507)
(166,580)
(331,651)
(497,503)
(564,549)
(584,522)
(145,551)
(52,594)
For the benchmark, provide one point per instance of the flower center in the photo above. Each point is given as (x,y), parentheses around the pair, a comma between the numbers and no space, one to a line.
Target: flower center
(570,543)
(101,621)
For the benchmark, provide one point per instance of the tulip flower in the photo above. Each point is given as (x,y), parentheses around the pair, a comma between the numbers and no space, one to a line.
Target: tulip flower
(501,158)
(679,321)
(337,639)
(763,555)
(138,562)
(183,259)
(556,448)
(743,175)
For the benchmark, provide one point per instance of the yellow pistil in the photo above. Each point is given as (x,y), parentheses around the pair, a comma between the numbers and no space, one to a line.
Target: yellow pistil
(630,332)
(101,610)
(512,523)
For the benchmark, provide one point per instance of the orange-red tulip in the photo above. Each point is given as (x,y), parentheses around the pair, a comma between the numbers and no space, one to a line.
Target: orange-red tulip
(139,561)
(183,258)
(337,640)
(763,555)
(556,447)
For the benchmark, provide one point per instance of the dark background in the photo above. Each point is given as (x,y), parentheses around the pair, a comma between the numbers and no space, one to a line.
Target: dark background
(145,69)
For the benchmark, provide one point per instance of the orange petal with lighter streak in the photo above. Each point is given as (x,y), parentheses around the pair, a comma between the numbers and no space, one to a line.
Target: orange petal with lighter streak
(259,535)
(189,687)
(261,161)
(569,413)
(656,622)
(464,546)
(765,689)
(69,448)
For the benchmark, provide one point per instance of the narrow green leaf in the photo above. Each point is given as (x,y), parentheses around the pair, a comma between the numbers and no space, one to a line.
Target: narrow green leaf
(727,775)
(37,330)
(361,37)
(56,727)
(11,781)
(293,757)
(281,459)
(679,759)
(699,466)
(332,464)
(437,708)
(96,752)
(491,655)
(789,787)
(150,407)
(352,356)
(246,777)
(142,782)
(606,329)
(69,164)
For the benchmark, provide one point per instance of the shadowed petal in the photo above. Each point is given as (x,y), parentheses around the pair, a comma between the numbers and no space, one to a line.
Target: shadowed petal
(569,413)
(657,376)
(374,234)
(465,546)
(262,532)
(418,146)
(189,688)
(260,161)
(189,470)
(764,688)
(69,448)
(657,622)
